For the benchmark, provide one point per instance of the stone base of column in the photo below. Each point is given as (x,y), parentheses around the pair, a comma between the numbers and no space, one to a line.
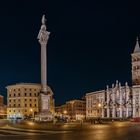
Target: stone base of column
(45,107)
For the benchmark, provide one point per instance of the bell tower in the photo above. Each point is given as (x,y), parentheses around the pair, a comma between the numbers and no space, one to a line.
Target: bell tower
(135,56)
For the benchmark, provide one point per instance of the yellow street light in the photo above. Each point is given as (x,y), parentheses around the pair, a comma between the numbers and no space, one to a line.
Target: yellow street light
(65,112)
(99,109)
(99,105)
(32,112)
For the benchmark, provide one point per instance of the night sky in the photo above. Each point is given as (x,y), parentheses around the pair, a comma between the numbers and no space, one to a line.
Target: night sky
(89,46)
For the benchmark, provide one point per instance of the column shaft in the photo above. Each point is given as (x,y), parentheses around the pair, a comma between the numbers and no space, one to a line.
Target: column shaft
(43,68)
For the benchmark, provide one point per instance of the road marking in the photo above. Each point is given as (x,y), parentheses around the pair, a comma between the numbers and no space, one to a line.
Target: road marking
(15,131)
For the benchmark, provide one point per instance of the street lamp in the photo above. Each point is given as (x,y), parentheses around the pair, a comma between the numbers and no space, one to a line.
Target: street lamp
(99,105)
(65,112)
(32,112)
(99,108)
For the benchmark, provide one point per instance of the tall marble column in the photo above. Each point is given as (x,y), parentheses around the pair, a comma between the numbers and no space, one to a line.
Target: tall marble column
(43,37)
(44,100)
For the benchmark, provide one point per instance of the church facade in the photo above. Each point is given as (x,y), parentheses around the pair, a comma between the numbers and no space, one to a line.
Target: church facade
(135,56)
(117,101)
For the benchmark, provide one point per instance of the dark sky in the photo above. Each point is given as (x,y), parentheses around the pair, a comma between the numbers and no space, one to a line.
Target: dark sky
(89,46)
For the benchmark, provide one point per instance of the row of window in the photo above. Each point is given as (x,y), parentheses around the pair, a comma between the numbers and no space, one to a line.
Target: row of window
(22,99)
(135,59)
(25,94)
(14,105)
(30,89)
(18,110)
(136,67)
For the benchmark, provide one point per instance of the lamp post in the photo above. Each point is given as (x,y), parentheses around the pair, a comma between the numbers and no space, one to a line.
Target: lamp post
(99,109)
(65,113)
(32,112)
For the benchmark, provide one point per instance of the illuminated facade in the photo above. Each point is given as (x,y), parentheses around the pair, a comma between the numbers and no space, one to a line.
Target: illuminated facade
(118,101)
(114,102)
(23,100)
(3,108)
(1,100)
(136,79)
(93,101)
(74,109)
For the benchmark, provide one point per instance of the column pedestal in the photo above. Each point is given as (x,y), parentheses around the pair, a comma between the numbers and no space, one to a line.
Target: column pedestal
(44,107)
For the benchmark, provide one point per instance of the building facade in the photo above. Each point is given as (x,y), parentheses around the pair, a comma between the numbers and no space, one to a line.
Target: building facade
(114,102)
(23,100)
(60,110)
(73,109)
(94,100)
(136,79)
(1,100)
(118,101)
(3,108)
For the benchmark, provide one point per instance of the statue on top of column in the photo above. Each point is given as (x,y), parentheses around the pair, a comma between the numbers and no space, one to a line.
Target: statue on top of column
(43,35)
